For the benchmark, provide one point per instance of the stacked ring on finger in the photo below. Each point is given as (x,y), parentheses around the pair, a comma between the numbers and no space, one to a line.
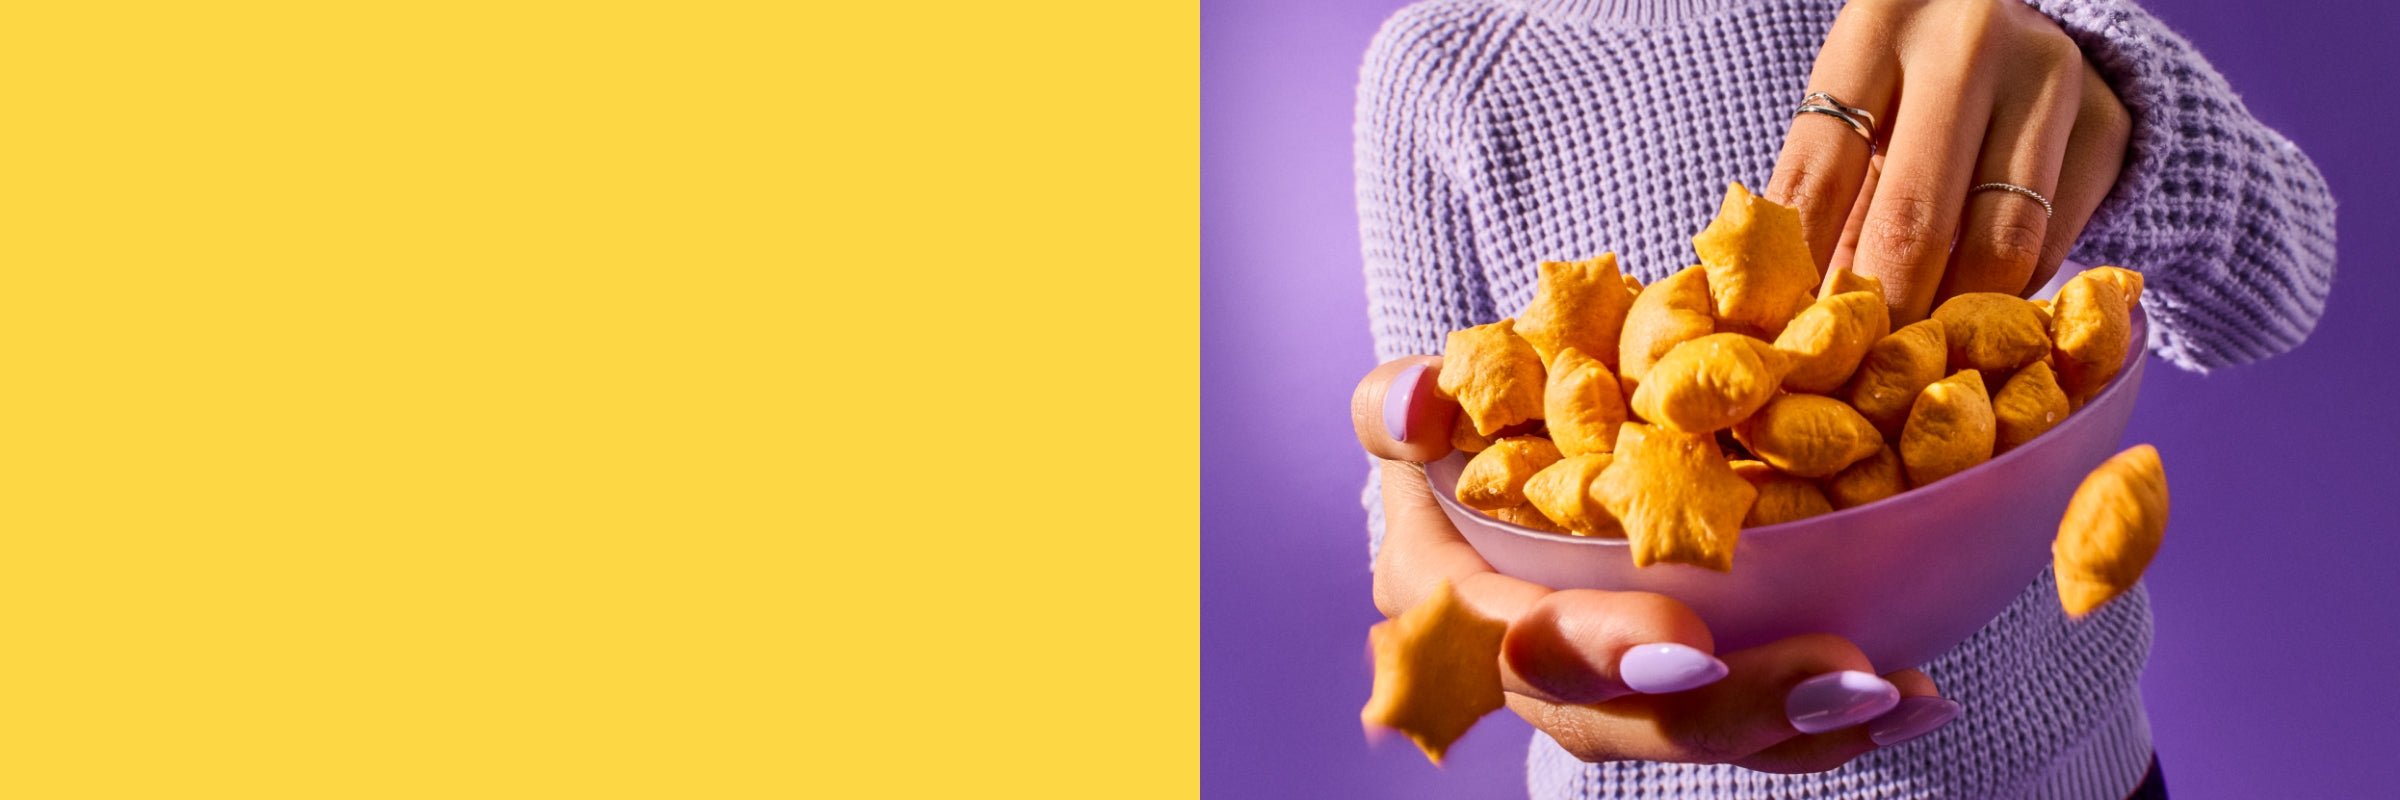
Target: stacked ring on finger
(2010,187)
(1859,120)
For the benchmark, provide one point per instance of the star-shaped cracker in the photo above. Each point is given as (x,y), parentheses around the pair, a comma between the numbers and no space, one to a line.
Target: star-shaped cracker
(1676,496)
(1578,304)
(1437,671)
(1495,374)
(1760,272)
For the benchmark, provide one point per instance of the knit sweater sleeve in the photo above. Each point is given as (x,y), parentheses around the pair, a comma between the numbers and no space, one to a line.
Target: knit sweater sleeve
(2230,223)
(1415,230)
(1415,227)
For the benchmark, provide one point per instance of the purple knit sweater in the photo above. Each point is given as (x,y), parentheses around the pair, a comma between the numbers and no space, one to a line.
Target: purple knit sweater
(1493,135)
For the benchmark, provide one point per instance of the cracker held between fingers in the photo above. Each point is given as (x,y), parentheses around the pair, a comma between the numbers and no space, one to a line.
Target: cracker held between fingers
(1437,671)
(2112,528)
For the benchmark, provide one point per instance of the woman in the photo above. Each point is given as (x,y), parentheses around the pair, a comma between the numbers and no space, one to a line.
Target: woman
(1941,146)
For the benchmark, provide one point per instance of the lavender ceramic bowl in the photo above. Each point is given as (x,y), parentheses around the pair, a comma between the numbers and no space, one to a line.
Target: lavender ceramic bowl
(1904,578)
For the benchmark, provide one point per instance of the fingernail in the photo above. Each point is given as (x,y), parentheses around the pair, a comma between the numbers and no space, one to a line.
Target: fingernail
(1914,717)
(1667,667)
(1398,398)
(1837,700)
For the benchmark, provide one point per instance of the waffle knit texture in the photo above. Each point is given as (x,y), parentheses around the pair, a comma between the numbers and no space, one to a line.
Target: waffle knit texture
(1496,134)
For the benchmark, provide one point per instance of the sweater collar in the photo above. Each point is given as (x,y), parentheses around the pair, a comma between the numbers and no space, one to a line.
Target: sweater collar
(1630,13)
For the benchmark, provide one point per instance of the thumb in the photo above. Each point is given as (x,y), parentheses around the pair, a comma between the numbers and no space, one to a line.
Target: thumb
(1400,413)
(1582,646)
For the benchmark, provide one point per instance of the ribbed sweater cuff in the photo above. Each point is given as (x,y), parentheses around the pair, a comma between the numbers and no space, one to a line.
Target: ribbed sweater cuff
(2110,764)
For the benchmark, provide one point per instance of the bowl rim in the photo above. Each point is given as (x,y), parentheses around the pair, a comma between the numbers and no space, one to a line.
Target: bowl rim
(2137,342)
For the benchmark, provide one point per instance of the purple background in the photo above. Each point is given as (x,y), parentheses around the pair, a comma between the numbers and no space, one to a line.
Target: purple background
(2275,619)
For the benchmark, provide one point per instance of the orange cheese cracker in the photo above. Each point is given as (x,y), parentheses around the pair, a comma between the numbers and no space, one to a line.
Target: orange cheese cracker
(1437,671)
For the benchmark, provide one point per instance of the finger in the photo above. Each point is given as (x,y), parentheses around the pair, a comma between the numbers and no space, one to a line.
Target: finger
(1846,253)
(1824,160)
(1400,414)
(1920,710)
(2095,153)
(1817,679)
(1583,646)
(2000,245)
(1421,548)
(1905,241)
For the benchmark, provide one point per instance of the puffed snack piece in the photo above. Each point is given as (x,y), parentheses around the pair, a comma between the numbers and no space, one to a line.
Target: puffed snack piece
(2111,530)
(1709,383)
(2029,405)
(1949,429)
(1527,516)
(1829,337)
(1894,371)
(1463,436)
(1494,373)
(1677,498)
(1873,478)
(1665,314)
(1781,498)
(1437,671)
(2092,325)
(1992,332)
(1495,478)
(1563,493)
(1840,280)
(1578,304)
(1811,436)
(1760,272)
(1583,404)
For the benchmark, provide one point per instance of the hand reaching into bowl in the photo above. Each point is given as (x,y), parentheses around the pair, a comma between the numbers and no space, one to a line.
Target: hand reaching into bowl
(1623,675)
(1990,131)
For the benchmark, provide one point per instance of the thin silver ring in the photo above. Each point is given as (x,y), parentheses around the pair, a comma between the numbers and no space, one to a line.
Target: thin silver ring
(1859,113)
(1860,121)
(2010,187)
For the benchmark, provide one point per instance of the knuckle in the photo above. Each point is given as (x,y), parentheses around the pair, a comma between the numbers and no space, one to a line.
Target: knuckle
(1902,229)
(1700,743)
(1575,735)
(2011,241)
(2103,115)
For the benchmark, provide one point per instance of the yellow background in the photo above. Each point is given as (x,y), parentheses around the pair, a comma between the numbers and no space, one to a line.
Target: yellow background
(598,400)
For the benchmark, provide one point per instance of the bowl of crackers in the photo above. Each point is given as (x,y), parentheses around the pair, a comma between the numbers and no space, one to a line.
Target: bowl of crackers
(1757,441)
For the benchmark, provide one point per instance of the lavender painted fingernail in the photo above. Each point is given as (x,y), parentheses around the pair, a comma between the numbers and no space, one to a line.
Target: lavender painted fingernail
(1398,398)
(1837,700)
(1667,667)
(1914,717)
